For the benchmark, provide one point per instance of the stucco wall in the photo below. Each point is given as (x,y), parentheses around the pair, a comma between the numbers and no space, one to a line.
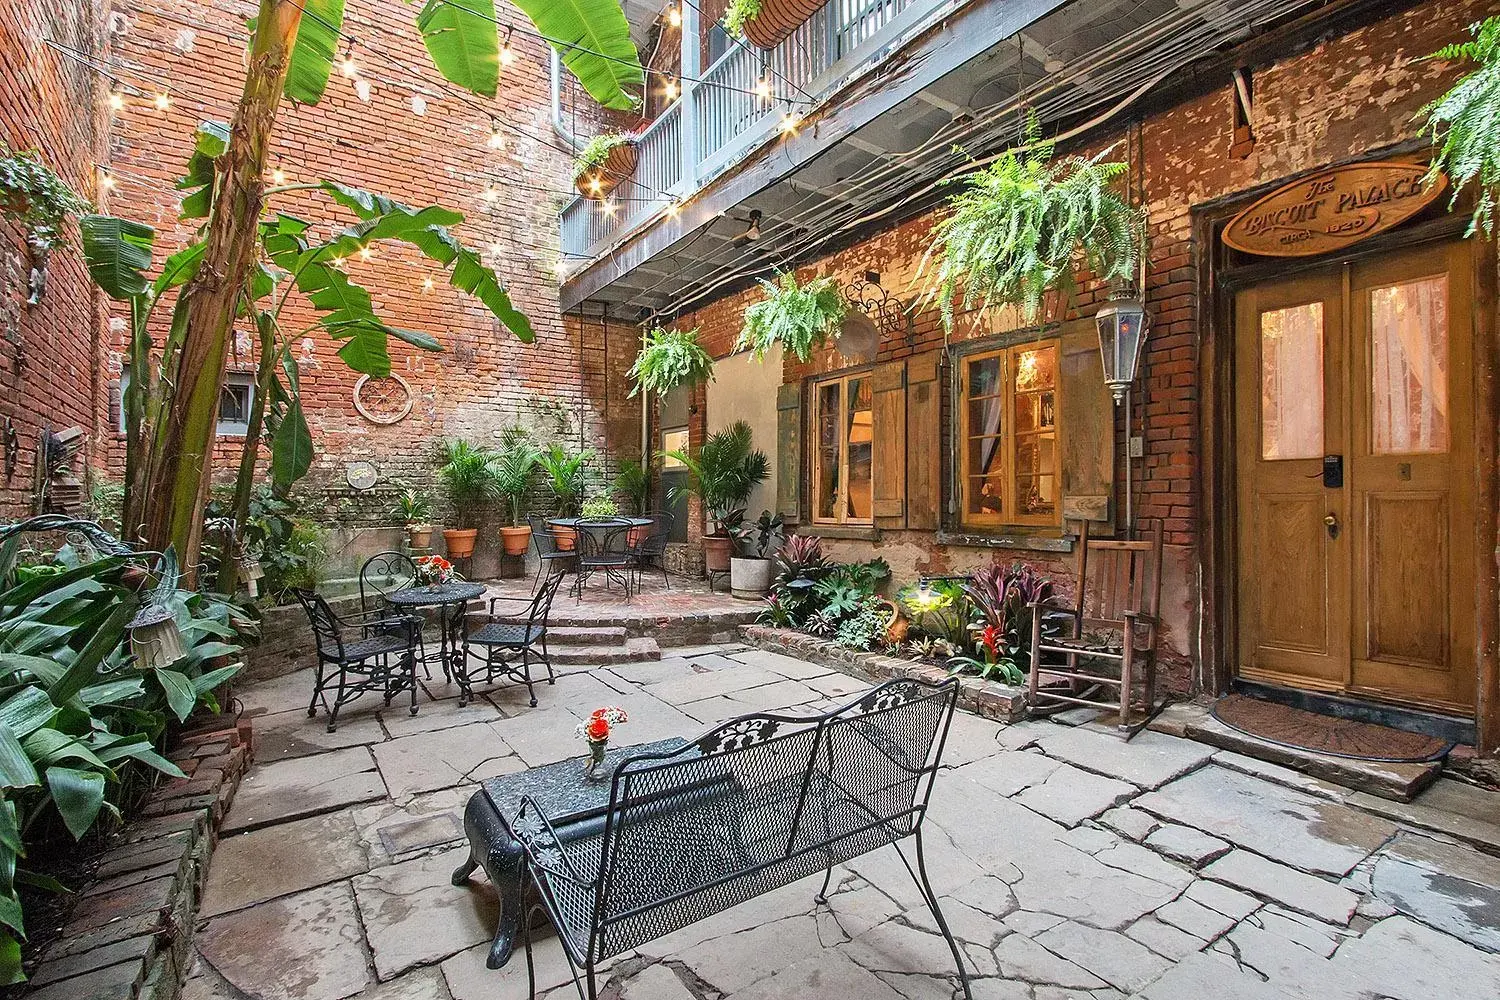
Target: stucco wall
(745,389)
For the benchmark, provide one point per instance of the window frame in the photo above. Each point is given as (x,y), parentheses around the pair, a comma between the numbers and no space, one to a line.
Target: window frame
(1009,517)
(814,387)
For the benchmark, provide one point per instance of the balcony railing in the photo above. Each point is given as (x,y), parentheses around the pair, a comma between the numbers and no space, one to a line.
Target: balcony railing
(729,120)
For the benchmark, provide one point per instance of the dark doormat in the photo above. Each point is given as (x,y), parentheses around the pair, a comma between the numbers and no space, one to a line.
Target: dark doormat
(1293,727)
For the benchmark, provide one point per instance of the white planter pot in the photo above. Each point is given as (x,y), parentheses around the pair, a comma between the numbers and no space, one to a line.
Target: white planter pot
(749,579)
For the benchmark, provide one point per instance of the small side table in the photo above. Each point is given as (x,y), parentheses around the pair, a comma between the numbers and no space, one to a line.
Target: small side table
(456,594)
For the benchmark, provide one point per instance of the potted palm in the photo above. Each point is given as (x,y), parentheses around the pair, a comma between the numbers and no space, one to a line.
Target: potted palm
(634,483)
(721,475)
(751,567)
(413,509)
(515,469)
(564,474)
(468,474)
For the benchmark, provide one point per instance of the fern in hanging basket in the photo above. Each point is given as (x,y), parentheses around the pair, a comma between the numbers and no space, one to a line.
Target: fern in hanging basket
(798,317)
(1465,122)
(597,150)
(740,13)
(1020,226)
(668,359)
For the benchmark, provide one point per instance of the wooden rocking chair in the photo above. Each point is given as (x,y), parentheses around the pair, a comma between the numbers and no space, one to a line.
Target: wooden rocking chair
(1114,631)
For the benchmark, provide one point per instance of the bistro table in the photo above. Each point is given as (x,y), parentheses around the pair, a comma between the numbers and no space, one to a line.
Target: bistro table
(598,526)
(450,625)
(571,801)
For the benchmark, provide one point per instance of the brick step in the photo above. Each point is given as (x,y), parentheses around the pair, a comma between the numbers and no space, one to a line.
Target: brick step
(635,650)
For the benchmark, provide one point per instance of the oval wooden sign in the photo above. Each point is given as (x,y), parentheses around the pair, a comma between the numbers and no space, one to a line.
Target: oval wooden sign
(1333,209)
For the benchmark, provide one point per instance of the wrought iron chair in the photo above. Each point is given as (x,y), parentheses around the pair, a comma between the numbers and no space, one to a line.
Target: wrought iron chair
(521,632)
(385,573)
(547,551)
(757,803)
(1114,631)
(650,549)
(354,665)
(604,547)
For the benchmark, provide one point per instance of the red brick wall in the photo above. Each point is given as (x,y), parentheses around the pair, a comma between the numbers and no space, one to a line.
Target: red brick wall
(48,103)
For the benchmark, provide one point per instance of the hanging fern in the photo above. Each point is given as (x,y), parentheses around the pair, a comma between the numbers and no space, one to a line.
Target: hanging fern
(32,193)
(798,317)
(1021,225)
(670,358)
(1467,121)
(740,12)
(597,150)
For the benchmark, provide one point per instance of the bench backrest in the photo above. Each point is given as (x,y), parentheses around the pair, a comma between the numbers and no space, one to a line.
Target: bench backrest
(762,801)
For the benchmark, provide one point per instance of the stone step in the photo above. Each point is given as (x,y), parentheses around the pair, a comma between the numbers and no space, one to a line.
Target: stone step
(636,650)
(591,635)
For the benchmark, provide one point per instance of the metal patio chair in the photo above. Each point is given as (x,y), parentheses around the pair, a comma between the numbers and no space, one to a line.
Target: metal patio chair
(385,573)
(545,540)
(358,654)
(521,632)
(650,550)
(604,547)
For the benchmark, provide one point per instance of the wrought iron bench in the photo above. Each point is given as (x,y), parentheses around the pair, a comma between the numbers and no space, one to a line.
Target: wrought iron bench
(684,830)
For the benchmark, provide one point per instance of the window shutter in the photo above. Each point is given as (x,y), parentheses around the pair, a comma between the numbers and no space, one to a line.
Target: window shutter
(789,451)
(888,388)
(1088,427)
(924,460)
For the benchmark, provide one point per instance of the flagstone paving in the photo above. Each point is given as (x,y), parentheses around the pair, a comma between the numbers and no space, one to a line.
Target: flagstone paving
(1070,864)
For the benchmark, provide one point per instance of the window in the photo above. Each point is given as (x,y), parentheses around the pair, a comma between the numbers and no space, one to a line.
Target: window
(843,421)
(234,403)
(1011,470)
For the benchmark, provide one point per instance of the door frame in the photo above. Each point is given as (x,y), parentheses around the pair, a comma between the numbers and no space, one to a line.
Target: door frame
(1218,277)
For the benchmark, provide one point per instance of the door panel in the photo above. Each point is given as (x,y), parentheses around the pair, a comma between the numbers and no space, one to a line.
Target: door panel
(1406,536)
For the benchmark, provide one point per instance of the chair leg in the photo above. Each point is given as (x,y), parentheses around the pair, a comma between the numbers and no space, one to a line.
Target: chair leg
(822,897)
(1127,681)
(338,701)
(526,673)
(925,885)
(312,705)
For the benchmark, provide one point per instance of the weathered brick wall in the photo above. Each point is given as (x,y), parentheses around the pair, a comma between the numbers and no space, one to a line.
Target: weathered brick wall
(1344,98)
(49,103)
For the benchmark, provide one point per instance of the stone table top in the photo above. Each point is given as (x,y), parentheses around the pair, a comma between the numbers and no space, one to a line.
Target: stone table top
(447,593)
(561,790)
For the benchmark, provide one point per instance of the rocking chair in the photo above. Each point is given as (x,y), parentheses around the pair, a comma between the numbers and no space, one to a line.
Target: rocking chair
(1114,632)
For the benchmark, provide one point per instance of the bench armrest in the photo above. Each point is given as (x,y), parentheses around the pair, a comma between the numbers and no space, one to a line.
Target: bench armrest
(544,849)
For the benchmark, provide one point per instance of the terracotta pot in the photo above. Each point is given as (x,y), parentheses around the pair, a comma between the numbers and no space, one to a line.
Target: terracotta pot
(716,552)
(778,19)
(567,538)
(635,536)
(515,540)
(419,536)
(600,182)
(460,542)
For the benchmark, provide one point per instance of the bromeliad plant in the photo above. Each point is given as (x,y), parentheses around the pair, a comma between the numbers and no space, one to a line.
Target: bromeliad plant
(1001,626)
(1465,123)
(798,317)
(669,359)
(1020,226)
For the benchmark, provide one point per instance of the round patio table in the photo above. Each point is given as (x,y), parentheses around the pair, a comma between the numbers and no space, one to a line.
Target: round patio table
(450,625)
(595,527)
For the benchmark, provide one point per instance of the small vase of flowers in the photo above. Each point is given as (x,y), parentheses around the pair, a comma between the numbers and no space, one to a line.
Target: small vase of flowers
(596,730)
(434,571)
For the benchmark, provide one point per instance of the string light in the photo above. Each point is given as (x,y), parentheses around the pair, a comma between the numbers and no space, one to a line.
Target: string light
(365,253)
(162,101)
(116,100)
(507,54)
(497,137)
(608,207)
(107,180)
(669,89)
(347,66)
(674,16)
(428,284)
(491,195)
(596,186)
(763,86)
(789,122)
(674,209)
(338,262)
(497,249)
(278,177)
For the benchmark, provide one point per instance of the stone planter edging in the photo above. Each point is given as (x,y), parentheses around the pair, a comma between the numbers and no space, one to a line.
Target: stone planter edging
(993,700)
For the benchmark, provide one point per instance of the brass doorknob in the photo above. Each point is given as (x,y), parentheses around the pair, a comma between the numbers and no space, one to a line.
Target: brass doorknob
(1331,521)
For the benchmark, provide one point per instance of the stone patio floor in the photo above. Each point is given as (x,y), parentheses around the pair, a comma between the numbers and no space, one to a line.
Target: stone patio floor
(1070,864)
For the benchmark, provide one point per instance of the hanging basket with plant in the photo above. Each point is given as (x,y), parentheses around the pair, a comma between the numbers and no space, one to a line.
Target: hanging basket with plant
(669,359)
(1465,123)
(768,23)
(604,164)
(798,317)
(1020,226)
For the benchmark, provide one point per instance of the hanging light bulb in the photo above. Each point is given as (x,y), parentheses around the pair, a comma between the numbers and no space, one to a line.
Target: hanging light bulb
(162,101)
(338,263)
(596,186)
(497,137)
(365,253)
(497,249)
(763,86)
(674,209)
(789,122)
(491,194)
(674,16)
(428,284)
(116,100)
(278,177)
(608,207)
(669,89)
(347,66)
(507,54)
(107,180)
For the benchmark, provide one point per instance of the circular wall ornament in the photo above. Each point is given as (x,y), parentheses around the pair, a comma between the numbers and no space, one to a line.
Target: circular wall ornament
(361,475)
(383,400)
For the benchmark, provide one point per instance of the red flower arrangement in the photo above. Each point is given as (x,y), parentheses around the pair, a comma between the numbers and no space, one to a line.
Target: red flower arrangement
(434,570)
(598,726)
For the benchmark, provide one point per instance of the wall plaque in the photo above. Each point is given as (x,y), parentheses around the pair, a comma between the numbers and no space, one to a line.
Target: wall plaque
(1333,209)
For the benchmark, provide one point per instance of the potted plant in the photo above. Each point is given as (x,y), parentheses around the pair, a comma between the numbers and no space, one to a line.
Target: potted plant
(603,163)
(722,475)
(468,475)
(767,23)
(413,509)
(668,359)
(1021,224)
(798,317)
(751,568)
(634,483)
(599,506)
(564,474)
(514,470)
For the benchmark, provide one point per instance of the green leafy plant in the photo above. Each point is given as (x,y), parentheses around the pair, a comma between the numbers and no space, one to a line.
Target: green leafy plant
(1000,628)
(937,609)
(1465,122)
(597,150)
(634,482)
(724,470)
(515,469)
(470,476)
(565,475)
(599,506)
(411,507)
(798,317)
(1020,226)
(740,12)
(668,359)
(865,626)
(31,193)
(758,539)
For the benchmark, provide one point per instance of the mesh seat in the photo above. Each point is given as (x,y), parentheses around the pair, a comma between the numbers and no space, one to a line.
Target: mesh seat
(372,651)
(521,631)
(505,634)
(393,641)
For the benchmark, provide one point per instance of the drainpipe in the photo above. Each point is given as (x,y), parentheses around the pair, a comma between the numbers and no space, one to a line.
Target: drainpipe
(558,125)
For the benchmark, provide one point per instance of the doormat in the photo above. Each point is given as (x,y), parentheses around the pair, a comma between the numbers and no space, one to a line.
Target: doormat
(1293,727)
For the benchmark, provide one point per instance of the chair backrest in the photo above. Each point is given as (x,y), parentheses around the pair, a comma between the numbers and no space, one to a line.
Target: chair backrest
(603,536)
(382,574)
(761,801)
(542,535)
(541,602)
(1118,575)
(328,634)
(654,537)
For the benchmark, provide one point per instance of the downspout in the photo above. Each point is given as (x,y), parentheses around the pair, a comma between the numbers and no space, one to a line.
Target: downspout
(558,125)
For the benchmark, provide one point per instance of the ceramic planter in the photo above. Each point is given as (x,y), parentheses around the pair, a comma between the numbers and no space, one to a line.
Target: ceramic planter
(749,579)
(515,540)
(777,20)
(716,553)
(419,536)
(460,542)
(599,182)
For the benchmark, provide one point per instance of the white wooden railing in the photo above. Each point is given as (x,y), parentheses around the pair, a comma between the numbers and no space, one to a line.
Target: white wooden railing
(729,120)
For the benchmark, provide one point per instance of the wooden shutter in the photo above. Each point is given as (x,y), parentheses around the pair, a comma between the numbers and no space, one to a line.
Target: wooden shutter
(789,451)
(888,386)
(1088,427)
(924,435)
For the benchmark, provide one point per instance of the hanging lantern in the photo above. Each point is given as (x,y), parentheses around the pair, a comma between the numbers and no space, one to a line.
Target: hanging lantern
(1122,334)
(250,574)
(154,638)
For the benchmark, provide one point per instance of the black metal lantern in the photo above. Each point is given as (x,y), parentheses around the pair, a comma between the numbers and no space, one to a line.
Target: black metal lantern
(1122,334)
(154,637)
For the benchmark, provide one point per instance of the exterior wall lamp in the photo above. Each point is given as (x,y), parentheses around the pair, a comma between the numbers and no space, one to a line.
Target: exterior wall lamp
(1122,334)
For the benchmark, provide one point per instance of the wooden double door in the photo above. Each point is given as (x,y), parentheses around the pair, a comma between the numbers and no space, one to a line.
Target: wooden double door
(1355,468)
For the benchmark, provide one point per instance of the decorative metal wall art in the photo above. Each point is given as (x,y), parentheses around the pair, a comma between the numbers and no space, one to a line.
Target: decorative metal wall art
(873,309)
